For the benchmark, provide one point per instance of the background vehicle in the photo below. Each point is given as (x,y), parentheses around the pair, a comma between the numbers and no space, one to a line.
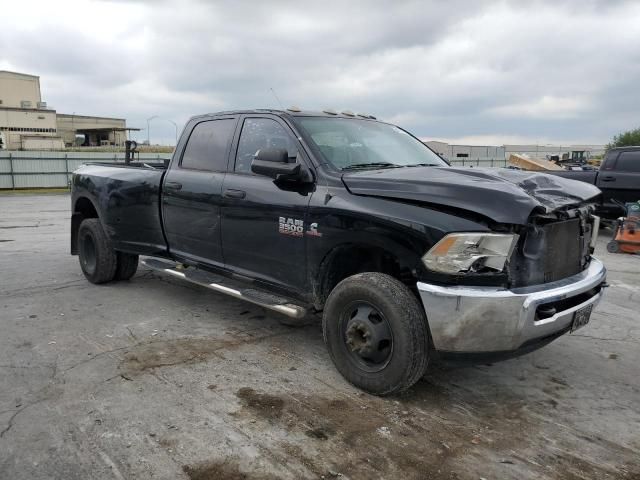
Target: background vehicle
(618,178)
(408,259)
(574,158)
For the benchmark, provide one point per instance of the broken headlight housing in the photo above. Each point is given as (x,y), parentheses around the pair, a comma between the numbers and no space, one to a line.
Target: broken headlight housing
(471,253)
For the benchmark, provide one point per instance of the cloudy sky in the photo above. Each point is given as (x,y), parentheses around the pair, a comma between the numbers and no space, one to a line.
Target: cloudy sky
(470,71)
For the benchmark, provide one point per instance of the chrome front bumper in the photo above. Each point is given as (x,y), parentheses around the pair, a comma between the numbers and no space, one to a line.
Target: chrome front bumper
(488,319)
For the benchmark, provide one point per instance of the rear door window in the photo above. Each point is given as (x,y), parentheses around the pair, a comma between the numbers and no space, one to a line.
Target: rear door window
(629,162)
(207,148)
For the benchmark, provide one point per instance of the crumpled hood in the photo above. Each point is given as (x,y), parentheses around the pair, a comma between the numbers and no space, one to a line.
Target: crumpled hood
(503,195)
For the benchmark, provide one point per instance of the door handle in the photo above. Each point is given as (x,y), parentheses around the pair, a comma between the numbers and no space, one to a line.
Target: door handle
(231,193)
(608,178)
(173,185)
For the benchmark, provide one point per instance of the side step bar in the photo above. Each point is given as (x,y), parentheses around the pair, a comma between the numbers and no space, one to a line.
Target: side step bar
(229,287)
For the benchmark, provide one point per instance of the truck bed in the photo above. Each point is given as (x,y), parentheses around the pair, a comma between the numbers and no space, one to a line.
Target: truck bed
(129,198)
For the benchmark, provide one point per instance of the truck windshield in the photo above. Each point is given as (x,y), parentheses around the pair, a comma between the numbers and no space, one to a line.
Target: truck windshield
(351,144)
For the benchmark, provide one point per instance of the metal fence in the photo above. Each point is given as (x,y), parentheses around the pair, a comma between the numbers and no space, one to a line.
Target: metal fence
(479,162)
(40,169)
(35,169)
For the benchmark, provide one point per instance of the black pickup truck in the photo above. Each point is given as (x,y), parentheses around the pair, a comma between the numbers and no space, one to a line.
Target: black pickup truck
(618,179)
(409,260)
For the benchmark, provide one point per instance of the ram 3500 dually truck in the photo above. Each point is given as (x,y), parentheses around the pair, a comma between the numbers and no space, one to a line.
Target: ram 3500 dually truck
(408,259)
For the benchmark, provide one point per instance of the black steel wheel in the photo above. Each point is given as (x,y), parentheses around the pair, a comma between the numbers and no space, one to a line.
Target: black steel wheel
(613,247)
(97,259)
(368,336)
(376,333)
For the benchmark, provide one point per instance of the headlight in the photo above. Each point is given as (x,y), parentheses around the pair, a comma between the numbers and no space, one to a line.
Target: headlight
(470,252)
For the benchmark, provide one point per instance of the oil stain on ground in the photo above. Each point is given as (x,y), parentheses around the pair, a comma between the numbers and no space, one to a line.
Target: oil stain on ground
(264,405)
(188,350)
(432,433)
(349,437)
(227,470)
(156,354)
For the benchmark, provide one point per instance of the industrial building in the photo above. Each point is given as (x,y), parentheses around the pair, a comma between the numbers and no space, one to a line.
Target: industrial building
(492,152)
(27,123)
(544,151)
(475,152)
(82,130)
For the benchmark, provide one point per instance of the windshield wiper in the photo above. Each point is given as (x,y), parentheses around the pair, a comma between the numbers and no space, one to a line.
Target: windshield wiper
(423,165)
(356,166)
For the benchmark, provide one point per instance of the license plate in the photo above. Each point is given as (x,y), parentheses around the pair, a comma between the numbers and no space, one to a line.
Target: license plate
(581,317)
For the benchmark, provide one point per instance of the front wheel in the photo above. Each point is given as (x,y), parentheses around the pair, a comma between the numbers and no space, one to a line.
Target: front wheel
(376,333)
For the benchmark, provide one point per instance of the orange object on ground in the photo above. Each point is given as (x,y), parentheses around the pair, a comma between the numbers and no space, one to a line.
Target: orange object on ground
(626,238)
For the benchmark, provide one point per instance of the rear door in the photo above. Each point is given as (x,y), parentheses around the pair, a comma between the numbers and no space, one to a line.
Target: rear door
(619,177)
(192,192)
(263,223)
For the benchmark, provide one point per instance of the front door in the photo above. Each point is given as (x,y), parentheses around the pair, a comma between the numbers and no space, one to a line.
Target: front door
(263,224)
(192,192)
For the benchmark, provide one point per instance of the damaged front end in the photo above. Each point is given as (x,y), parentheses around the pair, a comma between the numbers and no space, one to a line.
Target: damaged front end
(523,279)
(550,246)
(551,284)
(553,246)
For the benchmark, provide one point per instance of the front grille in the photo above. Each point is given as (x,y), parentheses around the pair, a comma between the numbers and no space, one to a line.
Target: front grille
(551,252)
(563,256)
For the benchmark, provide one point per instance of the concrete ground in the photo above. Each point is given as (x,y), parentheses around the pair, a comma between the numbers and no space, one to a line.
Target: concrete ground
(154,378)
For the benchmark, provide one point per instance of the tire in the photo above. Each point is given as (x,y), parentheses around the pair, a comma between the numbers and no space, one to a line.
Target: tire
(613,247)
(362,315)
(127,265)
(98,260)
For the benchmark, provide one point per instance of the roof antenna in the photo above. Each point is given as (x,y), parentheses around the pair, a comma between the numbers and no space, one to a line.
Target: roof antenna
(274,94)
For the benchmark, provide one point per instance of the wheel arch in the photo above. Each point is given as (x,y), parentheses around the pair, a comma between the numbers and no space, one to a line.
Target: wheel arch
(83,207)
(347,259)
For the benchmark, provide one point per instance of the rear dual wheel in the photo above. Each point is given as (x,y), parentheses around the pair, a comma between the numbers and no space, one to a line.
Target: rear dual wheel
(99,262)
(127,266)
(376,333)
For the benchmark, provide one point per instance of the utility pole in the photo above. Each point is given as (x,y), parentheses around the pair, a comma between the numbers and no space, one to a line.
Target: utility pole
(176,127)
(148,127)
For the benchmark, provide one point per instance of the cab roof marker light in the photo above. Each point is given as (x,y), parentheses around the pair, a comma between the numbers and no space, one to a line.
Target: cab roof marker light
(348,113)
(329,111)
(294,108)
(363,115)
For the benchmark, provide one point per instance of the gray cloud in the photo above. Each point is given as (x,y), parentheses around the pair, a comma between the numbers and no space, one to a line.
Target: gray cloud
(544,70)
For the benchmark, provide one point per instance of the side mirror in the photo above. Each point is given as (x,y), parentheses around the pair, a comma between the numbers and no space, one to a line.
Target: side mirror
(274,163)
